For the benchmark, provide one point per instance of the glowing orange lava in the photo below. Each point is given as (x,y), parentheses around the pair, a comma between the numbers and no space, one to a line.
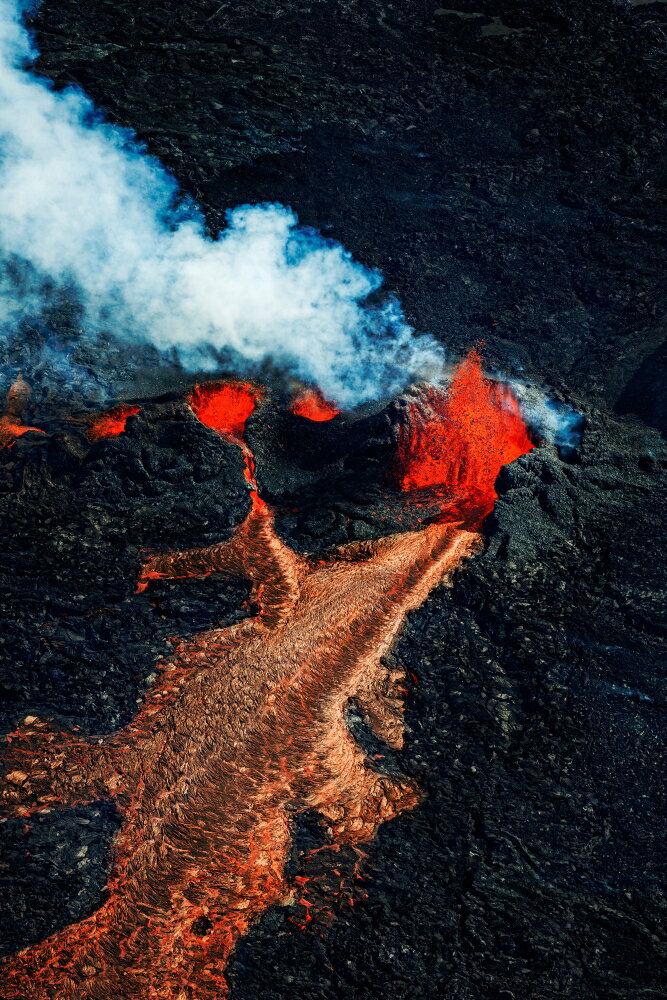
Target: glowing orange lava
(11,421)
(456,440)
(225,406)
(112,423)
(244,729)
(312,405)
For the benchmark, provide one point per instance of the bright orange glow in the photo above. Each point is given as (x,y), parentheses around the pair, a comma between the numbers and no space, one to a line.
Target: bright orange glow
(245,727)
(456,440)
(225,406)
(112,423)
(10,431)
(11,421)
(312,405)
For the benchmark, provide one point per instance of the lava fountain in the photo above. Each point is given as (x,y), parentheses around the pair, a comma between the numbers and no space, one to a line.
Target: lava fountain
(245,727)
(456,439)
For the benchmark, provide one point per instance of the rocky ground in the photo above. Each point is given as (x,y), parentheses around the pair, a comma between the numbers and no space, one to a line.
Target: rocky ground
(505,169)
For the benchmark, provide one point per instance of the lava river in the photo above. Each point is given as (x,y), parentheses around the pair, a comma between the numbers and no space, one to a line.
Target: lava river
(245,726)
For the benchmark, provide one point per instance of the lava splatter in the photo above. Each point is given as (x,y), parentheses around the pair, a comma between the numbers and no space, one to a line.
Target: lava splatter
(12,425)
(225,406)
(456,439)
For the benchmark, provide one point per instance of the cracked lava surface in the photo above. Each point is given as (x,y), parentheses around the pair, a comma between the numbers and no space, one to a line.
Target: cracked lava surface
(243,729)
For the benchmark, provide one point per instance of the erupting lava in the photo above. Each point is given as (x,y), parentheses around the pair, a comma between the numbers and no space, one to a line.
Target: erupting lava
(456,440)
(312,405)
(246,728)
(225,406)
(112,423)
(11,421)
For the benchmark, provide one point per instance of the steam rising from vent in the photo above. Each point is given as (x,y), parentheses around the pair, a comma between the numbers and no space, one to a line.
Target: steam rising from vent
(550,419)
(85,209)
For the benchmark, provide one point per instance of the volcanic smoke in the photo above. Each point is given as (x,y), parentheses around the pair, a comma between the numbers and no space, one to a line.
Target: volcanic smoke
(245,727)
(86,210)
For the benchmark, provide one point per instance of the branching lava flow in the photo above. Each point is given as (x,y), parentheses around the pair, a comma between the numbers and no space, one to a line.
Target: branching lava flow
(245,727)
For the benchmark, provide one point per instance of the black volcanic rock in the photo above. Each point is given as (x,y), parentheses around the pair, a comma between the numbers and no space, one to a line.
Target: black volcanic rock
(510,186)
(505,168)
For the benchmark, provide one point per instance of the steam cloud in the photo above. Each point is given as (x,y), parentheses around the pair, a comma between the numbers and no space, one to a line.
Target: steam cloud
(553,421)
(84,208)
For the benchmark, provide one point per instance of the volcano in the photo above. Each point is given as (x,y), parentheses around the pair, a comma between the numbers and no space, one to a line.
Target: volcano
(503,168)
(246,727)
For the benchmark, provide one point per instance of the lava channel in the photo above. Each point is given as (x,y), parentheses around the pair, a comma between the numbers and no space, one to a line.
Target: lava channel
(245,728)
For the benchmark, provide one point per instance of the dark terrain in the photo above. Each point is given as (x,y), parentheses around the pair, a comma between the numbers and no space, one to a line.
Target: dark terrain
(506,170)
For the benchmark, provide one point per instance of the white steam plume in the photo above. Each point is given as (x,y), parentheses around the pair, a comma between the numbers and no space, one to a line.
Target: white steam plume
(554,421)
(83,207)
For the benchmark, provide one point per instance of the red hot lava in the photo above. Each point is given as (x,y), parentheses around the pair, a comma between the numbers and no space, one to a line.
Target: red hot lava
(312,405)
(246,727)
(225,406)
(455,441)
(11,421)
(112,423)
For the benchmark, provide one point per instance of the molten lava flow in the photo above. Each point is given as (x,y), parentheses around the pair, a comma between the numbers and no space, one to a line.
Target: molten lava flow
(312,405)
(244,729)
(11,421)
(455,441)
(246,726)
(225,406)
(112,423)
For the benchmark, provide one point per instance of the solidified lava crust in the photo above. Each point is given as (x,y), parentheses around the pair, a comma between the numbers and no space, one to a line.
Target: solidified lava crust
(503,167)
(246,728)
(78,636)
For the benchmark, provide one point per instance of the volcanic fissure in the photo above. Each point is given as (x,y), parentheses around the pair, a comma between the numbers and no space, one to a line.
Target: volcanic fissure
(245,727)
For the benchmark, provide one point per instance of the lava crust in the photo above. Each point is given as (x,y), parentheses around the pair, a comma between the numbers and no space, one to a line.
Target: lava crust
(245,728)
(503,166)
